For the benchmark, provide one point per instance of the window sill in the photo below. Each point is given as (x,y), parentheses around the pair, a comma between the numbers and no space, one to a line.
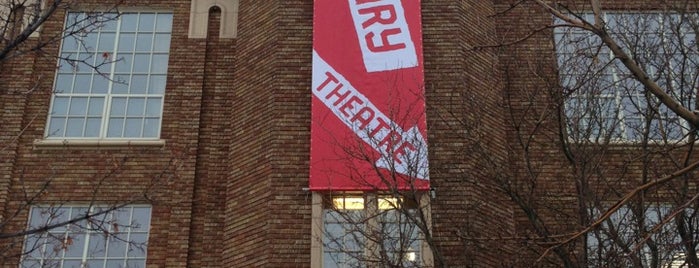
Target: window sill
(95,143)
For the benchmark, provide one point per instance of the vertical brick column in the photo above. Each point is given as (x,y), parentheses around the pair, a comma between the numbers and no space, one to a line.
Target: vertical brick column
(247,237)
(464,98)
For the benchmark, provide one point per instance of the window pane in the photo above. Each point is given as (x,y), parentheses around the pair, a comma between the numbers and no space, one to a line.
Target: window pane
(164,22)
(72,264)
(92,127)
(146,22)
(137,245)
(141,219)
(159,65)
(141,62)
(120,85)
(56,126)
(123,64)
(117,246)
(153,107)
(118,220)
(74,128)
(75,243)
(106,42)
(31,263)
(151,127)
(138,84)
(116,125)
(33,246)
(157,84)
(144,41)
(133,127)
(128,22)
(135,107)
(96,263)
(136,263)
(331,260)
(82,83)
(109,23)
(115,263)
(100,84)
(96,247)
(64,83)
(78,106)
(126,42)
(118,107)
(60,105)
(162,42)
(70,43)
(66,63)
(89,42)
(53,247)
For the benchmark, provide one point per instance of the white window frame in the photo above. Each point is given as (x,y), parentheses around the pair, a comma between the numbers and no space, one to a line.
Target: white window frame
(371,214)
(110,229)
(619,118)
(148,117)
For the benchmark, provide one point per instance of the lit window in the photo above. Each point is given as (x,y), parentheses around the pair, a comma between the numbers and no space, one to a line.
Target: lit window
(343,239)
(357,232)
(603,99)
(114,239)
(401,237)
(111,77)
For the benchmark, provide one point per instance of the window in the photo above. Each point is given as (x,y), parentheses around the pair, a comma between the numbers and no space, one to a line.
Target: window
(645,234)
(115,239)
(343,240)
(603,100)
(111,76)
(360,230)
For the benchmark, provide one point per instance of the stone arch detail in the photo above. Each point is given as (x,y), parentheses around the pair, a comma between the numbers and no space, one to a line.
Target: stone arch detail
(199,18)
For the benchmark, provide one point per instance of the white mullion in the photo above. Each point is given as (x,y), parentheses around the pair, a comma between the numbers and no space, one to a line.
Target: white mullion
(128,95)
(92,80)
(88,233)
(668,53)
(108,237)
(150,74)
(67,116)
(683,123)
(108,97)
(618,97)
(128,235)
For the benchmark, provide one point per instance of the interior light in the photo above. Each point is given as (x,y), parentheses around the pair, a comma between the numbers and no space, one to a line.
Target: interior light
(386,203)
(348,203)
(411,256)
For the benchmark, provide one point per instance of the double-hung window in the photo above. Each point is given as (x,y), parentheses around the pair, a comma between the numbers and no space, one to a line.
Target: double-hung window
(604,101)
(117,238)
(111,76)
(362,230)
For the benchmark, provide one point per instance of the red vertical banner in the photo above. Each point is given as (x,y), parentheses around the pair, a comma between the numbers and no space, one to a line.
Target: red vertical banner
(368,126)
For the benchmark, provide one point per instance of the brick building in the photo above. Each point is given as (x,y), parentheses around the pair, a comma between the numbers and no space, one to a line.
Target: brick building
(206,135)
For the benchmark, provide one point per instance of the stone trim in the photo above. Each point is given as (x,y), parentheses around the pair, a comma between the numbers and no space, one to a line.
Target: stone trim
(199,18)
(95,143)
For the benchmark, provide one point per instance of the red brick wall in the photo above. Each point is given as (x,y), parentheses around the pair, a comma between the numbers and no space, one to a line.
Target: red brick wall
(123,172)
(465,128)
(290,227)
(236,125)
(248,211)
